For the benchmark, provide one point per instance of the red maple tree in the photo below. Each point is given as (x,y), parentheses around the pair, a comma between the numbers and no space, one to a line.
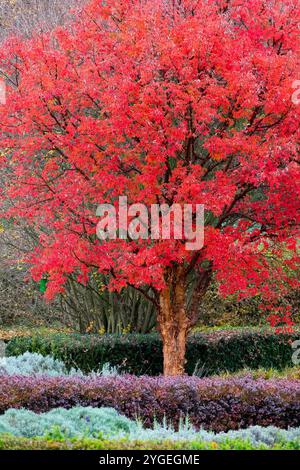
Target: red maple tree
(183,101)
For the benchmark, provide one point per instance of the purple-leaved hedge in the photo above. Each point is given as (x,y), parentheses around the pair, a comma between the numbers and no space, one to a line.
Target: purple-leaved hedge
(217,404)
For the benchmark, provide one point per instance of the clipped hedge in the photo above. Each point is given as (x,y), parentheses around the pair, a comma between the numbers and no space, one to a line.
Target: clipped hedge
(207,353)
(212,403)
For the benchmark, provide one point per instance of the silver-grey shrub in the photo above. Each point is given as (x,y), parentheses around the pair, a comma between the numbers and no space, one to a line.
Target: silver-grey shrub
(36,364)
(76,422)
(108,423)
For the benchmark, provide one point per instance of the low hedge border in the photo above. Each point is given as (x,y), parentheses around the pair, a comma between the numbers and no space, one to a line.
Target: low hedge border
(14,443)
(207,353)
(212,403)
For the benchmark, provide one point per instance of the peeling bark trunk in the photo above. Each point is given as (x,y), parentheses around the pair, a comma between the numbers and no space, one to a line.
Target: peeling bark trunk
(173,322)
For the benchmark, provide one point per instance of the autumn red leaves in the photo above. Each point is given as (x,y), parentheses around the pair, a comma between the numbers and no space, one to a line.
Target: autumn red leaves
(165,103)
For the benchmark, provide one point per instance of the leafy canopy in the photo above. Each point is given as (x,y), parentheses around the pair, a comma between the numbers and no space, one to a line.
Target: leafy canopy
(163,101)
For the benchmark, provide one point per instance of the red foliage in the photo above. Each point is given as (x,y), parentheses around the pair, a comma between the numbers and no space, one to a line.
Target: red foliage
(167,101)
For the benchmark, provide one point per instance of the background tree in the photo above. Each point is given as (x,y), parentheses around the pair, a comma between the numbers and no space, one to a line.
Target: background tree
(26,16)
(165,102)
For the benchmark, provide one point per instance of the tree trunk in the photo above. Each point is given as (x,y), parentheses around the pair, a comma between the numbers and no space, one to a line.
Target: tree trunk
(173,321)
